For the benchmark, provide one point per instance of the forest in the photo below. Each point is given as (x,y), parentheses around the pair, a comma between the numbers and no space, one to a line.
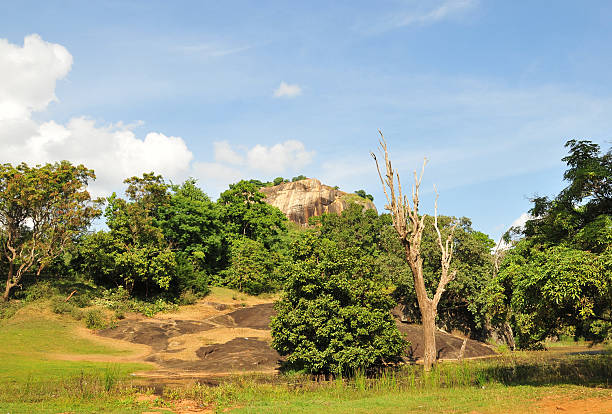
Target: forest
(163,244)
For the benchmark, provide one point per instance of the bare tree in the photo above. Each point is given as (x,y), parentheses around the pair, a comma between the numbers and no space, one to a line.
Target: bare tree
(409,226)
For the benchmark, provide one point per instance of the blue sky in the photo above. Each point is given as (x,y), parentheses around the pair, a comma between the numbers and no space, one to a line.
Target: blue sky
(489,91)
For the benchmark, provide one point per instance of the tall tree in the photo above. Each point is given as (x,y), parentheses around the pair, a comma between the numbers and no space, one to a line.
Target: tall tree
(42,209)
(559,276)
(409,226)
(245,214)
(141,255)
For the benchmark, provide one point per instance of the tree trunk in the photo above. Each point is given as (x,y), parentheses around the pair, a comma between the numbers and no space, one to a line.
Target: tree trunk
(429,335)
(9,283)
(509,335)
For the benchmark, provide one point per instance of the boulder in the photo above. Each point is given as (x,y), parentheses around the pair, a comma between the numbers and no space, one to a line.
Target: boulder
(300,200)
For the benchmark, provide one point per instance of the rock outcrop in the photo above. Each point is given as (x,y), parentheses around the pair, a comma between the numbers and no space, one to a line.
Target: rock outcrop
(300,200)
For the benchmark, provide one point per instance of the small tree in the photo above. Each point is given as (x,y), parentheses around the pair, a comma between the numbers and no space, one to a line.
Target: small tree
(42,209)
(334,316)
(251,267)
(409,226)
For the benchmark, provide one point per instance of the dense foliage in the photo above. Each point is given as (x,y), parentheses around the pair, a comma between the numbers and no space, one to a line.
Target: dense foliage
(42,209)
(165,243)
(558,278)
(334,315)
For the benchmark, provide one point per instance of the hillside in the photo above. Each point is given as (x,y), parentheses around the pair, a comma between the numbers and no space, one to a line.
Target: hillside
(300,200)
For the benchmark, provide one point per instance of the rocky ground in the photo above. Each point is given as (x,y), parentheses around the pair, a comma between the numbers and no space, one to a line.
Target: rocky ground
(211,339)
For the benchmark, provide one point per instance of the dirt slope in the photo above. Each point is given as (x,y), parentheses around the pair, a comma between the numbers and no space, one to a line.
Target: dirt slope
(213,338)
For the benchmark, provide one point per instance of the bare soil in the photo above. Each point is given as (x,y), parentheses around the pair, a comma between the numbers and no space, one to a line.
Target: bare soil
(212,339)
(226,339)
(559,404)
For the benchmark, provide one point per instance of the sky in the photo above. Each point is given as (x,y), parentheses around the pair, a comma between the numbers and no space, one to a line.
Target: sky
(488,91)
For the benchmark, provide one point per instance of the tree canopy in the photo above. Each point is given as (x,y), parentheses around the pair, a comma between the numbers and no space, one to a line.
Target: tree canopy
(334,315)
(42,209)
(558,278)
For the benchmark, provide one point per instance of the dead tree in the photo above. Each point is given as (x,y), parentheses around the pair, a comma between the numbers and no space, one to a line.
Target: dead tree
(409,226)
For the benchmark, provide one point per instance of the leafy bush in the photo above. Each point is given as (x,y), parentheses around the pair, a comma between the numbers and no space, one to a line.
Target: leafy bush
(188,298)
(8,309)
(149,309)
(81,300)
(334,316)
(40,290)
(77,313)
(60,306)
(94,319)
(251,268)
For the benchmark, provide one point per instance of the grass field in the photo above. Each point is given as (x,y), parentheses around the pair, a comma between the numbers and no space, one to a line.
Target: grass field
(45,369)
(514,383)
(33,379)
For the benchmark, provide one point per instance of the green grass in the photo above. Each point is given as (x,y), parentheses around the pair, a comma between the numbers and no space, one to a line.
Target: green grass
(492,399)
(507,384)
(31,380)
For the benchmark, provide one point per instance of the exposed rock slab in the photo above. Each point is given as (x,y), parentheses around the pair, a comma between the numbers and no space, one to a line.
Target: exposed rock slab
(300,200)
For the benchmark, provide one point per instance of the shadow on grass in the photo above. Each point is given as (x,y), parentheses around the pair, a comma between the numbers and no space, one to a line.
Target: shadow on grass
(586,369)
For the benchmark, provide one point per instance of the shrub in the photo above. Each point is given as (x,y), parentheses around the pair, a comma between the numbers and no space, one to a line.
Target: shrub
(251,267)
(188,298)
(40,290)
(60,306)
(94,319)
(334,317)
(76,313)
(81,300)
(149,309)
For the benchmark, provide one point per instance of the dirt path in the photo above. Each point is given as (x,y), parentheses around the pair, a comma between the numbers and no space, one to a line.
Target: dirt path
(559,404)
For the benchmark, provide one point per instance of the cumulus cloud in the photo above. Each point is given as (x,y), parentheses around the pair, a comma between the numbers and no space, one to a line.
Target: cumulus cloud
(518,223)
(287,90)
(260,161)
(28,75)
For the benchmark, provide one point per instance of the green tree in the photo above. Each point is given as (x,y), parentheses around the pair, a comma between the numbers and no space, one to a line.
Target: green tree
(252,268)
(142,257)
(244,213)
(363,194)
(299,178)
(190,224)
(559,276)
(354,227)
(278,180)
(334,315)
(42,209)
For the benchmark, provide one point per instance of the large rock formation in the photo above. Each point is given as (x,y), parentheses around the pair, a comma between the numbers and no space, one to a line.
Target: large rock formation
(300,200)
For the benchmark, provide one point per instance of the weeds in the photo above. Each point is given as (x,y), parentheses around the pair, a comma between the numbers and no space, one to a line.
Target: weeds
(529,368)
(94,319)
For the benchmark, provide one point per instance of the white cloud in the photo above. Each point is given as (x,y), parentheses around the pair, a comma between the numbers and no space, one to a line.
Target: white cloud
(519,223)
(280,157)
(28,76)
(445,10)
(260,161)
(225,154)
(287,90)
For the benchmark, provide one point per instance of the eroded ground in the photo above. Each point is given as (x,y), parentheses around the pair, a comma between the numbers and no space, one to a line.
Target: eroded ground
(213,338)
